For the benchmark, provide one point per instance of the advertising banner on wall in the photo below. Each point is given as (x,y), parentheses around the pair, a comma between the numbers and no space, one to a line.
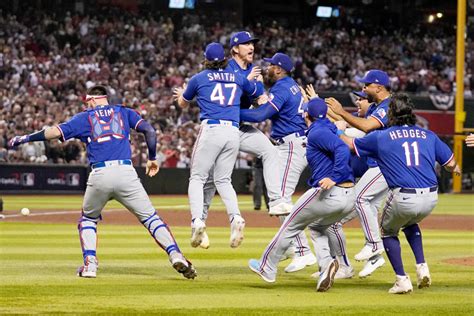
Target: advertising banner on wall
(42,178)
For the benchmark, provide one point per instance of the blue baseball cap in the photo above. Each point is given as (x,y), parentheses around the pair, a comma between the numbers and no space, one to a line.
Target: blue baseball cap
(360,94)
(242,38)
(214,52)
(376,76)
(282,60)
(316,107)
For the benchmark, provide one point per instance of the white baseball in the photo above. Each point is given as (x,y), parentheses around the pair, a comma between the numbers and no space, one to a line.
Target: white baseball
(25,211)
(354,132)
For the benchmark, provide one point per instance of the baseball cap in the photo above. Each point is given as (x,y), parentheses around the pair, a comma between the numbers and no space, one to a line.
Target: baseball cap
(376,76)
(282,60)
(241,38)
(316,107)
(214,52)
(360,94)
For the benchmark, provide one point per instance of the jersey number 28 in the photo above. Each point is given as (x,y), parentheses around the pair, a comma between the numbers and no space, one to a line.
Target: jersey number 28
(218,95)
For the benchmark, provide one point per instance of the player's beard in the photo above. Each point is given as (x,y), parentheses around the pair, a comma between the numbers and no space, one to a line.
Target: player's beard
(269,78)
(370,98)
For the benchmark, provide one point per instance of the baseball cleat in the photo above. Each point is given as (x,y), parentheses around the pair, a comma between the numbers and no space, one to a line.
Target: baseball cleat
(372,264)
(197,232)
(368,252)
(237,226)
(402,285)
(205,241)
(281,209)
(299,263)
(254,265)
(344,272)
(185,268)
(423,275)
(89,269)
(289,253)
(326,278)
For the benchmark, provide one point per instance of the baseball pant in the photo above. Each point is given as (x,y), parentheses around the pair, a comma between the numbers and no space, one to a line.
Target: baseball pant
(292,157)
(317,209)
(253,141)
(215,150)
(371,190)
(403,209)
(119,182)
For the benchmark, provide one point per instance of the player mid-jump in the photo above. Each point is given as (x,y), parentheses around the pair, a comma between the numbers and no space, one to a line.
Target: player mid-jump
(218,91)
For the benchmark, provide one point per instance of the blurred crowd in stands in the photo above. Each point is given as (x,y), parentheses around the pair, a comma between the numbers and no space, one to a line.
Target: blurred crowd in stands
(48,60)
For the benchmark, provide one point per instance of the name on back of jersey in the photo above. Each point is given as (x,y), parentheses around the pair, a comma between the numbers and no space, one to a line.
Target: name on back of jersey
(221,76)
(294,89)
(104,112)
(404,133)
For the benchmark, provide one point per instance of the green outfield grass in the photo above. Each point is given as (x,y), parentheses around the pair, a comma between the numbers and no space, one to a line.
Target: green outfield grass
(449,204)
(38,262)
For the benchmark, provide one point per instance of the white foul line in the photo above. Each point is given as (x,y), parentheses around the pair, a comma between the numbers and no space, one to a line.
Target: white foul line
(107,210)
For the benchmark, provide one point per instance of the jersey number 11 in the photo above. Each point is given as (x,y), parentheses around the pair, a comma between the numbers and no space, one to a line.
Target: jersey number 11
(406,146)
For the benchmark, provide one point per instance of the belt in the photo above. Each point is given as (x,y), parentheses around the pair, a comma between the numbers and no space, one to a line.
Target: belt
(109,163)
(290,137)
(346,184)
(413,191)
(222,122)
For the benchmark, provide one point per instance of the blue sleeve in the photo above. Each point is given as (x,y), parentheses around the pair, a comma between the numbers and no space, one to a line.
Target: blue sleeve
(329,142)
(78,126)
(277,98)
(150,137)
(265,111)
(381,115)
(367,146)
(442,152)
(250,88)
(134,119)
(191,89)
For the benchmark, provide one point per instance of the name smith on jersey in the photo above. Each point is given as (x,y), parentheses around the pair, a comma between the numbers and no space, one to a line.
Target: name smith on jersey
(220,76)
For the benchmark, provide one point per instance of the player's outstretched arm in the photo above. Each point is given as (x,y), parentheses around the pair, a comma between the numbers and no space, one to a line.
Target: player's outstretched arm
(152,167)
(453,166)
(364,124)
(178,96)
(470,140)
(45,134)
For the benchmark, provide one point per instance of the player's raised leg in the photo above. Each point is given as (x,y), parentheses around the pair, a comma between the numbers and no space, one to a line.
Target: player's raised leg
(222,179)
(253,141)
(130,192)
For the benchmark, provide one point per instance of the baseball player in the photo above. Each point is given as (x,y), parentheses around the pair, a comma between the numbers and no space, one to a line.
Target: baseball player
(406,155)
(328,201)
(335,233)
(371,188)
(284,108)
(105,129)
(252,140)
(218,91)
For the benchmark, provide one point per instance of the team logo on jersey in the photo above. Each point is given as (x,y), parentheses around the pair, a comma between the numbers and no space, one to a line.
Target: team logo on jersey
(381,113)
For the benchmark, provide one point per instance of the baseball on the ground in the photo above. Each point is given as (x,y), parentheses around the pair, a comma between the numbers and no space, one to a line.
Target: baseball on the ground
(25,211)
